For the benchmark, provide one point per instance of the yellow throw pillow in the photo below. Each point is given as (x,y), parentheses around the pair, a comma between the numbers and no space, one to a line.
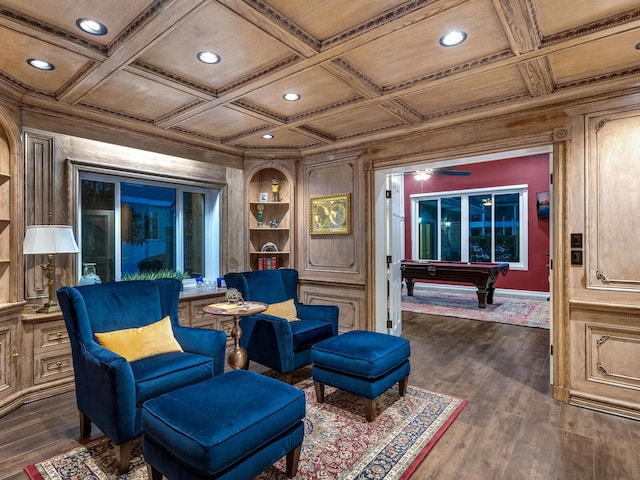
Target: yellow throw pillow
(286,309)
(141,342)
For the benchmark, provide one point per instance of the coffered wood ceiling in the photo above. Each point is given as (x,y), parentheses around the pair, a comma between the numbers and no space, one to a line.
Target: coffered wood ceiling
(366,69)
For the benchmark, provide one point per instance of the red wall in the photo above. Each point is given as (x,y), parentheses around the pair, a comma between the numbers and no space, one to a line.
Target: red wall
(532,171)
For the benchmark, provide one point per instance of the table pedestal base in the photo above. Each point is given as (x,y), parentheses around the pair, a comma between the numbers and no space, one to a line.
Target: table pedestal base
(237,358)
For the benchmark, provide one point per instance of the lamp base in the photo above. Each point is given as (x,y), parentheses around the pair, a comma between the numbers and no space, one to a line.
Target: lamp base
(49,307)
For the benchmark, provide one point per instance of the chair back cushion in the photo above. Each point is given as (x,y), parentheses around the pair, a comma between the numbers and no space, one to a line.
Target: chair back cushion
(267,286)
(113,306)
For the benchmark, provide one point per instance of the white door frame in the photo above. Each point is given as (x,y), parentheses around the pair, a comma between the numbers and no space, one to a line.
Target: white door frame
(380,226)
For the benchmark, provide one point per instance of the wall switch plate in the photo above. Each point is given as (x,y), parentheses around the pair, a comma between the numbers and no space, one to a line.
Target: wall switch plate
(576,257)
(576,240)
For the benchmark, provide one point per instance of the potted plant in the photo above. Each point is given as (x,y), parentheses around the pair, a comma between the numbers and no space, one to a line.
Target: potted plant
(155,274)
(233,295)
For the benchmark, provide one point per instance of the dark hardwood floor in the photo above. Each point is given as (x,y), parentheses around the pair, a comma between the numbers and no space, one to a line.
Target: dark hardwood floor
(511,429)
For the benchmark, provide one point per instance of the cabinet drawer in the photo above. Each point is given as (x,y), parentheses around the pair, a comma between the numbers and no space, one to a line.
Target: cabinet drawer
(52,366)
(226,324)
(48,335)
(200,318)
(183,314)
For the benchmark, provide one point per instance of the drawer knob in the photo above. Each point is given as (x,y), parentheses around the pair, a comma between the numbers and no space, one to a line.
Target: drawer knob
(59,364)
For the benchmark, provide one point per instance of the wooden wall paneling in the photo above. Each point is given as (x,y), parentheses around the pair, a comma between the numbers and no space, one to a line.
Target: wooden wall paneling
(332,267)
(350,301)
(605,353)
(560,265)
(337,257)
(39,206)
(613,200)
(233,249)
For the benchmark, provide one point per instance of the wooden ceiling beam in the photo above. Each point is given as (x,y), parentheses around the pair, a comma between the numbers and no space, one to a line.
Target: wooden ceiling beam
(519,25)
(149,32)
(346,72)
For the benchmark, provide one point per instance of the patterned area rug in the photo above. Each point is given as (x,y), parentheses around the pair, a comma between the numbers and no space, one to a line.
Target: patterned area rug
(338,442)
(515,311)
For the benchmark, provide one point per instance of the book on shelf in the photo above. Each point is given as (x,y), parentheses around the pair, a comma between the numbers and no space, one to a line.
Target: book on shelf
(267,263)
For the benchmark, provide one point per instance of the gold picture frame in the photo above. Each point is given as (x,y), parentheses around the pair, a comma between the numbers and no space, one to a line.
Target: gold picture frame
(330,214)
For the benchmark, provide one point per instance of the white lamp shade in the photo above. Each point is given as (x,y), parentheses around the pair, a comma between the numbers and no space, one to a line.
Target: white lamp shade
(46,239)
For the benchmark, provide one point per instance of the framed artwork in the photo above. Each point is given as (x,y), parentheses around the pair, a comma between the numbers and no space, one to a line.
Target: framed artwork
(542,204)
(330,215)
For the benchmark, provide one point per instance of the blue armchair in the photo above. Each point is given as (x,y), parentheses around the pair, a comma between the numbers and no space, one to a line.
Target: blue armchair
(274,341)
(110,390)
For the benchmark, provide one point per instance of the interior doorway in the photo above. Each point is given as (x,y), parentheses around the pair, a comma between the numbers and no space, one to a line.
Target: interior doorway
(387,277)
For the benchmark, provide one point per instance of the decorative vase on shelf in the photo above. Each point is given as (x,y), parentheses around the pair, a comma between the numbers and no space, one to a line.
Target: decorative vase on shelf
(89,275)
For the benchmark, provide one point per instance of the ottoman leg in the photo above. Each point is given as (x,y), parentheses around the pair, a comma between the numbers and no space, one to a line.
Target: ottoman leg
(153,473)
(319,391)
(402,385)
(292,462)
(370,409)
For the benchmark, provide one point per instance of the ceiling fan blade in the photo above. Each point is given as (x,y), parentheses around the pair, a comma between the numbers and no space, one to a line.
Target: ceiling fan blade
(459,173)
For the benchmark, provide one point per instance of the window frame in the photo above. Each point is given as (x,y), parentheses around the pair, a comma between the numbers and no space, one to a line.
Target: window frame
(523,211)
(213,257)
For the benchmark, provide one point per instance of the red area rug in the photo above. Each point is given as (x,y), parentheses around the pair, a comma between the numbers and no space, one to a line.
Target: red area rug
(338,442)
(511,310)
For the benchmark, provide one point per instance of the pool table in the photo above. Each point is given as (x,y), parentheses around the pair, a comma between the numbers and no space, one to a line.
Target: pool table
(482,275)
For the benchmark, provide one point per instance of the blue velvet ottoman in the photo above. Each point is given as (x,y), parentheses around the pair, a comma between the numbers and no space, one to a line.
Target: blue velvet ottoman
(229,427)
(361,362)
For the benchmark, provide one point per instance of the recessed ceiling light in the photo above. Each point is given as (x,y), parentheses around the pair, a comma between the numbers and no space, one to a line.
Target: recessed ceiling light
(291,96)
(91,26)
(40,64)
(267,136)
(208,57)
(452,39)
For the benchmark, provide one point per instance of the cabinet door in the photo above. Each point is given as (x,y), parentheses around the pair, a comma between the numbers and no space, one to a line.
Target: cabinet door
(7,347)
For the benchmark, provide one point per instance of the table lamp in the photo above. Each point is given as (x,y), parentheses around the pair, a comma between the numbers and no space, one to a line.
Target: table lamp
(49,240)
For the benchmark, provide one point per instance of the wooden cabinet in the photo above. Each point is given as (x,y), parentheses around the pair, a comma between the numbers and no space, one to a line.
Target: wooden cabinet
(46,362)
(51,352)
(191,311)
(9,355)
(271,218)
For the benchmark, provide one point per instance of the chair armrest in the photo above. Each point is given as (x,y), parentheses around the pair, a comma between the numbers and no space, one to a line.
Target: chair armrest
(272,334)
(203,341)
(108,394)
(325,313)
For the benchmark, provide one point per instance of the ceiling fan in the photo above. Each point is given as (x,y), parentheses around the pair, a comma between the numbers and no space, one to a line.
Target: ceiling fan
(425,173)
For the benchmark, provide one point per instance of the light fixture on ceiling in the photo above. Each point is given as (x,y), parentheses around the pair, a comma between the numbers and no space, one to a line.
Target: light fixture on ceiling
(421,175)
(267,136)
(291,96)
(91,27)
(40,64)
(208,57)
(487,202)
(453,38)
